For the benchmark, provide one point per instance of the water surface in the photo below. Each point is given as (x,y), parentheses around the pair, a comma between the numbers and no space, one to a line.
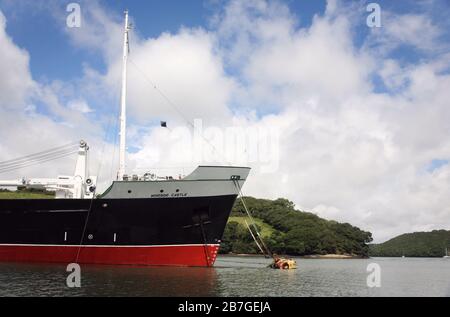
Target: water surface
(234,276)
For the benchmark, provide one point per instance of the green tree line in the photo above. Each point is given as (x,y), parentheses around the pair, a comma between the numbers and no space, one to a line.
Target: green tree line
(417,244)
(293,232)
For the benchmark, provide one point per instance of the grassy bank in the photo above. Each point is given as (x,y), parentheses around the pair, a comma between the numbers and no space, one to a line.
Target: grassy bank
(25,194)
(265,229)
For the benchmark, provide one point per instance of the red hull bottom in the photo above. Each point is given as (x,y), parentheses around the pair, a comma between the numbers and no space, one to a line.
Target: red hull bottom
(177,255)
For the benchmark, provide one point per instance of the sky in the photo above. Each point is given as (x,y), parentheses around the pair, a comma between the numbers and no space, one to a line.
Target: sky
(348,121)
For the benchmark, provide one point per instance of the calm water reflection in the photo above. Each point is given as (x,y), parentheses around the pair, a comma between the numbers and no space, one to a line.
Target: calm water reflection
(234,276)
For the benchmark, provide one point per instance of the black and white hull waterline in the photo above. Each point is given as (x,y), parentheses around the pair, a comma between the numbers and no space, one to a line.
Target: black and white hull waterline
(170,222)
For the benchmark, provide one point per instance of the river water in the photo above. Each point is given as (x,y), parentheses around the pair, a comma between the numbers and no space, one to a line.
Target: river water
(235,276)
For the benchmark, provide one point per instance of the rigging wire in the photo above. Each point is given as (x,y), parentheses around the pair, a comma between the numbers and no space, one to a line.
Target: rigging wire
(172,104)
(36,158)
(32,163)
(116,132)
(85,225)
(176,108)
(261,245)
(39,154)
(91,204)
(86,221)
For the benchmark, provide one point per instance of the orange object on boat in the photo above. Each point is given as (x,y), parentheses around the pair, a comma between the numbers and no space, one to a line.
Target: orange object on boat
(283,264)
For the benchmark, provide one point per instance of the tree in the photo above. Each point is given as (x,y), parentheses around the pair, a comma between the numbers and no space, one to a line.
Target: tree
(294,232)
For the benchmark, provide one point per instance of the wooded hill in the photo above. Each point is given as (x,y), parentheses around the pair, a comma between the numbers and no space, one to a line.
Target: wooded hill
(290,231)
(417,244)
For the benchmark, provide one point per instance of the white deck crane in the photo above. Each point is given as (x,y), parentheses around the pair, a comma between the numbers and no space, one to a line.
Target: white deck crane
(80,185)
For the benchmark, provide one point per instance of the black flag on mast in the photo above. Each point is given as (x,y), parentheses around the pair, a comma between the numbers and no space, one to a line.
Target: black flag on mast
(163,124)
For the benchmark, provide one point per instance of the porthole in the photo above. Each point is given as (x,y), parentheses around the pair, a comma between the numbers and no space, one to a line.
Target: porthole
(177,190)
(90,237)
(129,191)
(161,191)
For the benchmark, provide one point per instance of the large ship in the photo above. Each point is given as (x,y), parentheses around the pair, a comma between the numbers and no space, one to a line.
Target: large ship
(138,220)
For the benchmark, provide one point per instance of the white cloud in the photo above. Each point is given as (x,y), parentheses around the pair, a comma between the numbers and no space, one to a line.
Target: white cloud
(345,152)
(185,68)
(32,118)
(413,30)
(349,154)
(100,30)
(393,75)
(80,106)
(15,80)
(352,155)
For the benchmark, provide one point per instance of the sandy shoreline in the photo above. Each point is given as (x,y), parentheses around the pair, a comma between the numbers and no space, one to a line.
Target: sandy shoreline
(312,256)
(332,256)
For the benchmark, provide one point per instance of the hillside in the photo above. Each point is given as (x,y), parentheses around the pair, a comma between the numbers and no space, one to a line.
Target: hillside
(417,244)
(290,231)
(264,229)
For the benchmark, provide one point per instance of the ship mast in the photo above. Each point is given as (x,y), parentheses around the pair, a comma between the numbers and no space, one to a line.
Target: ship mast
(123,102)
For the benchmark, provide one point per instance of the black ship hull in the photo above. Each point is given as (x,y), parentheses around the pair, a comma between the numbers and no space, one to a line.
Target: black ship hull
(164,231)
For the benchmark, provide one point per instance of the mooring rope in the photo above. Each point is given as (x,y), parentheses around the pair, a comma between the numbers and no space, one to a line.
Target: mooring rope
(265,250)
(253,236)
